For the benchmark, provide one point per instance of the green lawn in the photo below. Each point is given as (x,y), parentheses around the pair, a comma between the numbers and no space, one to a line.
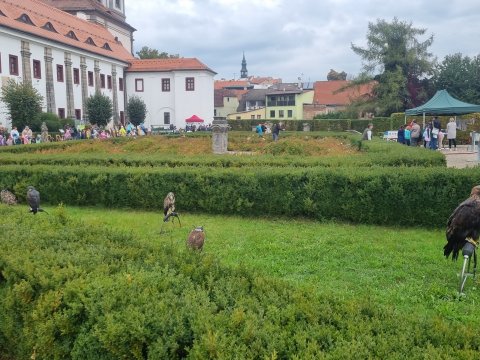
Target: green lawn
(394,267)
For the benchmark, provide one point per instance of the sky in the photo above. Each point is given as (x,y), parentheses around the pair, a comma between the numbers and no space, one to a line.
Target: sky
(292,39)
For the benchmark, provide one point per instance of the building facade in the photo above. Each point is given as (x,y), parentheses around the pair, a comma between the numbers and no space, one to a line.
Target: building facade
(172,89)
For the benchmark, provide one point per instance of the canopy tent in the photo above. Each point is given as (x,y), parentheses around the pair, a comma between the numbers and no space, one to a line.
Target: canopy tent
(194,119)
(443,104)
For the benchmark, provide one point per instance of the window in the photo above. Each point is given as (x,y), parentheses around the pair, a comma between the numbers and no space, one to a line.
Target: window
(25,19)
(290,113)
(48,26)
(78,114)
(13,64)
(252,117)
(61,113)
(165,84)
(90,41)
(76,76)
(117,4)
(122,117)
(107,47)
(238,118)
(259,116)
(90,78)
(281,113)
(71,35)
(37,69)
(120,84)
(139,85)
(60,73)
(109,81)
(102,81)
(190,84)
(166,118)
(272,113)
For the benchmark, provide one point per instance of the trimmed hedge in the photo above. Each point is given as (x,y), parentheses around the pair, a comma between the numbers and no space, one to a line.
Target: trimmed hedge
(70,290)
(406,196)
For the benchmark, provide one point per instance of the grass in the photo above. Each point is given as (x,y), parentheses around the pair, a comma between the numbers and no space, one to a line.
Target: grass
(398,268)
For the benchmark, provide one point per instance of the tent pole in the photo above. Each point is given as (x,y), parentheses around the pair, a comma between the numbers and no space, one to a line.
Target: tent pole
(424,120)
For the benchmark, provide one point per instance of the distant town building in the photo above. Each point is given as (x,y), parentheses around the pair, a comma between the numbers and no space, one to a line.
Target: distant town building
(244,71)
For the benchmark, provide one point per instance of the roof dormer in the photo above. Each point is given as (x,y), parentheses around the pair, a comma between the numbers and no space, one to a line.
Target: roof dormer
(107,47)
(25,19)
(48,26)
(71,35)
(90,41)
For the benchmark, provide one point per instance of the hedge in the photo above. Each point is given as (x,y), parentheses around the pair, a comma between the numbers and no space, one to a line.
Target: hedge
(71,290)
(406,196)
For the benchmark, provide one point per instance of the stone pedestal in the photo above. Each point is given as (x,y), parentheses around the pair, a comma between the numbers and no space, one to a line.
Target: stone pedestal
(219,136)
(306,127)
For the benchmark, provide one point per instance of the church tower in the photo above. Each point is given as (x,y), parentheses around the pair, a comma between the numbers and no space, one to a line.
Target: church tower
(107,13)
(244,71)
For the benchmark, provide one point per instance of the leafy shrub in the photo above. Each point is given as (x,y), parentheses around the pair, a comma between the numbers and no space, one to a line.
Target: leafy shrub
(81,291)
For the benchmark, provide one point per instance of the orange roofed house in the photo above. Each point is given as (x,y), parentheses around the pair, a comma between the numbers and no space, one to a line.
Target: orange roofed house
(329,97)
(70,55)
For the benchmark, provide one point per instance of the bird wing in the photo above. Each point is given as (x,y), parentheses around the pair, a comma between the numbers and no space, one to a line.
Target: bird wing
(464,222)
(33,199)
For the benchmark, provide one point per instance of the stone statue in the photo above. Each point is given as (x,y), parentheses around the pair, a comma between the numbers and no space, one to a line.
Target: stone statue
(44,129)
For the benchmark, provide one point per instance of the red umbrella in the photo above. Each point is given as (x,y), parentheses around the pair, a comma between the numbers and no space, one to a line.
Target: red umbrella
(194,119)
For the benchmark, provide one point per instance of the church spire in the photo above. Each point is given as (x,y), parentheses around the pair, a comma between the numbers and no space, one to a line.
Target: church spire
(244,71)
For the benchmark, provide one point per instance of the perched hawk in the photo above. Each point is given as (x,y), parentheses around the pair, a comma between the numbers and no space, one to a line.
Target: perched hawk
(196,238)
(33,199)
(463,225)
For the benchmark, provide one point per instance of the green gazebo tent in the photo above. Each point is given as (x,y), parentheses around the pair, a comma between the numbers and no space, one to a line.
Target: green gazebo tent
(443,104)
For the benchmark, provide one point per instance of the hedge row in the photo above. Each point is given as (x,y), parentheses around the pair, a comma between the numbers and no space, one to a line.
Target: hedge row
(376,154)
(70,290)
(380,124)
(406,196)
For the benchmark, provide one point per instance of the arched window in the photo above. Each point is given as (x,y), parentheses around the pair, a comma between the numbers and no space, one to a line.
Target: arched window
(71,35)
(90,41)
(25,19)
(48,26)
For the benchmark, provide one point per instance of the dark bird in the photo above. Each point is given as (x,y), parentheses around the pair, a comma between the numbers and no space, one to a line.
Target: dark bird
(33,199)
(7,197)
(196,238)
(463,225)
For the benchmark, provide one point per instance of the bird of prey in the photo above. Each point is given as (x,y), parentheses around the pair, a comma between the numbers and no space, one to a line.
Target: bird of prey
(196,238)
(463,225)
(33,199)
(7,197)
(169,208)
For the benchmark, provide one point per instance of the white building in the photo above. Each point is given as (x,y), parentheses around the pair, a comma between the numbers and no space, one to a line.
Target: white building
(67,59)
(172,89)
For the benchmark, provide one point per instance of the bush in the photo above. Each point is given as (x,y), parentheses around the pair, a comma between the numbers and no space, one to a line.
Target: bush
(52,121)
(366,195)
(82,291)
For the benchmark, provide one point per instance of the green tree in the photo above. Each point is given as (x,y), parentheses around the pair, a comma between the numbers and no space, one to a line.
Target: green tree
(460,76)
(149,53)
(24,103)
(99,109)
(399,63)
(136,110)
(334,75)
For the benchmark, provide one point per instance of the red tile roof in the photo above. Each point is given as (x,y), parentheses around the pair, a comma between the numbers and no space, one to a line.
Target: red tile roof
(325,92)
(220,84)
(40,14)
(146,65)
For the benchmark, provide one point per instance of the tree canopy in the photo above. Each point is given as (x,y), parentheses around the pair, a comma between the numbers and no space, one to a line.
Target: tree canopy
(334,75)
(149,53)
(24,103)
(99,109)
(399,62)
(136,110)
(460,76)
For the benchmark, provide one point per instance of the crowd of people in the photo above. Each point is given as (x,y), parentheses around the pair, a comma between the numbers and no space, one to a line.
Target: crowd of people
(261,129)
(433,136)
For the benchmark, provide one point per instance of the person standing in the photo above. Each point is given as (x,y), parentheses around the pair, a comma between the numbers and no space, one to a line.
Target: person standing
(401,135)
(435,131)
(259,130)
(276,131)
(427,136)
(407,135)
(367,133)
(452,134)
(415,133)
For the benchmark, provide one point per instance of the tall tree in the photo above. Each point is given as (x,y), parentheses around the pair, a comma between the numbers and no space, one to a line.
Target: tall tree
(460,76)
(99,109)
(334,75)
(24,103)
(136,110)
(399,62)
(149,53)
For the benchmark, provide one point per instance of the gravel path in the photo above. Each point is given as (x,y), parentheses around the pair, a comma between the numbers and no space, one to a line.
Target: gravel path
(461,158)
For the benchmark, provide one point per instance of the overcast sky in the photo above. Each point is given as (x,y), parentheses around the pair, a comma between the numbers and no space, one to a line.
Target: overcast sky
(293,38)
